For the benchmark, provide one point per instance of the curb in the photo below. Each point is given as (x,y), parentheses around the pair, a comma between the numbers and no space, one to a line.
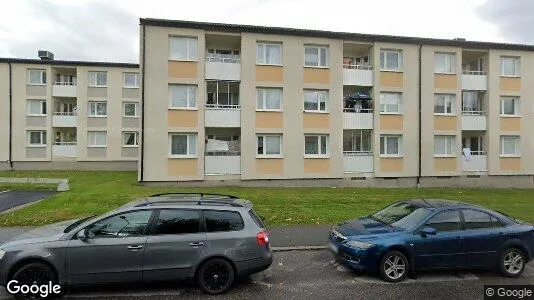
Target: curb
(298,248)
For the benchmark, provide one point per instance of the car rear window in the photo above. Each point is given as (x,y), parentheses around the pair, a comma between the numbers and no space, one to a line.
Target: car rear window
(256,218)
(219,220)
(177,221)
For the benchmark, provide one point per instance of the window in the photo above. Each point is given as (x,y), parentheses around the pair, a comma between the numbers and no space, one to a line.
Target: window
(357,142)
(223,221)
(124,225)
(390,145)
(510,66)
(445,221)
(268,54)
(98,79)
(183,96)
(510,145)
(444,145)
(316,145)
(509,106)
(97,138)
(269,99)
(444,104)
(472,102)
(475,219)
(391,60)
(315,100)
(444,63)
(390,103)
(130,139)
(129,109)
(36,107)
(98,109)
(222,94)
(176,221)
(131,80)
(496,222)
(36,77)
(183,144)
(183,48)
(37,138)
(316,56)
(269,144)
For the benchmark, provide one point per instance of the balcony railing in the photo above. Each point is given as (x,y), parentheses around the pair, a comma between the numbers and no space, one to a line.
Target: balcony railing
(358,153)
(358,161)
(65,83)
(357,67)
(473,113)
(358,110)
(231,60)
(481,152)
(222,153)
(63,113)
(466,72)
(65,143)
(223,106)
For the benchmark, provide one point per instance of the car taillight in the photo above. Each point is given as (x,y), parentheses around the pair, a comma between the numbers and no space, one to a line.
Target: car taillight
(262,238)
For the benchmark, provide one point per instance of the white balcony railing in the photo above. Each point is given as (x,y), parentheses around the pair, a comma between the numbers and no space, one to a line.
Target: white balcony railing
(474,80)
(357,118)
(217,115)
(222,164)
(361,75)
(64,149)
(358,161)
(476,162)
(223,68)
(64,119)
(476,72)
(474,120)
(62,89)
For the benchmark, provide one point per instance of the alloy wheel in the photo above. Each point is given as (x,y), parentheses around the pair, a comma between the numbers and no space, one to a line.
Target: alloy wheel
(394,267)
(216,277)
(513,262)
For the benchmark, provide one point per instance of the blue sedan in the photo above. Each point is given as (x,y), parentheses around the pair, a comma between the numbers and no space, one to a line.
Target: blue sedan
(424,234)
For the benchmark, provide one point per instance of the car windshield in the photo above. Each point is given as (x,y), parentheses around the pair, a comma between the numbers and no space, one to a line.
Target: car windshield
(402,214)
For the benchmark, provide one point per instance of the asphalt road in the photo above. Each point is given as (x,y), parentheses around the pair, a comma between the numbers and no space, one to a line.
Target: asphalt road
(12,199)
(316,275)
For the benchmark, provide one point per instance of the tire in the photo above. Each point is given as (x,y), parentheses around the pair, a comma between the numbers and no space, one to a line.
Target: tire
(394,266)
(512,262)
(215,276)
(35,273)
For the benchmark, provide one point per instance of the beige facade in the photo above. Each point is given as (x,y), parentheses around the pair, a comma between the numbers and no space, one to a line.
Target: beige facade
(4,116)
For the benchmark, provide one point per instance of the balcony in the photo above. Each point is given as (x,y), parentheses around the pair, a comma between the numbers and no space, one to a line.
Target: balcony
(219,68)
(64,89)
(64,119)
(222,165)
(64,149)
(476,162)
(357,118)
(474,120)
(222,152)
(361,75)
(474,80)
(217,115)
(358,161)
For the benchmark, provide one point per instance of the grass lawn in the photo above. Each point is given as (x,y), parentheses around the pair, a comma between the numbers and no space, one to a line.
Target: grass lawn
(99,192)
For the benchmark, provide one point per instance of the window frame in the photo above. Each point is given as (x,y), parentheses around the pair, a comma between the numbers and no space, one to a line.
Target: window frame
(205,225)
(319,61)
(450,144)
(264,97)
(399,104)
(136,75)
(264,53)
(448,98)
(147,228)
(188,57)
(43,136)
(320,138)
(400,60)
(201,227)
(264,141)
(136,139)
(517,145)
(385,137)
(452,62)
(90,109)
(189,87)
(95,83)
(517,66)
(42,77)
(464,222)
(516,103)
(318,94)
(362,135)
(136,104)
(189,136)
(458,211)
(42,105)
(90,140)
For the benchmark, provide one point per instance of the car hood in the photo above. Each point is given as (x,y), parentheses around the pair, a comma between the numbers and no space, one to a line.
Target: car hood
(366,228)
(47,233)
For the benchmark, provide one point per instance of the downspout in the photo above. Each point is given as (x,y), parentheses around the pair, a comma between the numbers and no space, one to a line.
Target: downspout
(420,115)
(10,111)
(141,164)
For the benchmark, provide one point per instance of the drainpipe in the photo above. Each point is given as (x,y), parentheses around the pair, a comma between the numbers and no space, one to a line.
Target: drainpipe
(141,163)
(10,111)
(420,115)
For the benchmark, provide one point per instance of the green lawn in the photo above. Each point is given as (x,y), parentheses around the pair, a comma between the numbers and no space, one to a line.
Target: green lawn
(98,192)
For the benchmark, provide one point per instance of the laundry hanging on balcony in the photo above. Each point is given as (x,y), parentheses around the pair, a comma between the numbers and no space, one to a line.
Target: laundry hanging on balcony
(357,102)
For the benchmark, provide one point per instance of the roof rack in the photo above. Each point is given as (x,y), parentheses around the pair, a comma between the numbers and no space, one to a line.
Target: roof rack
(189,194)
(198,202)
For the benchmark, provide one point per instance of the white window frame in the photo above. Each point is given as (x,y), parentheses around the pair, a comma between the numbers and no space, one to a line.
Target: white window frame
(384,139)
(261,93)
(385,110)
(317,94)
(261,58)
(192,152)
(136,104)
(517,144)
(449,58)
(96,104)
(42,136)
(383,60)
(42,105)
(448,99)
(42,76)
(136,76)
(517,107)
(517,66)
(191,90)
(450,146)
(92,78)
(320,138)
(136,139)
(320,62)
(264,140)
(188,55)
(92,139)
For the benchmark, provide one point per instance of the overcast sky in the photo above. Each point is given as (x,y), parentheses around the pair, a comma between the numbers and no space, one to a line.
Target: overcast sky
(108,30)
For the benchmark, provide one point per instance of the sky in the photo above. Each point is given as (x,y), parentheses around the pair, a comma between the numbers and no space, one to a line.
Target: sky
(107,30)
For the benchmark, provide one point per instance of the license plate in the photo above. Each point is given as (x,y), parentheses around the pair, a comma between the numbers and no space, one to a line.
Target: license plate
(333,248)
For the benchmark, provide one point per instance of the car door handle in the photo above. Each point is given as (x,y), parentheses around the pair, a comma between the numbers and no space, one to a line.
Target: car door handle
(196,244)
(135,247)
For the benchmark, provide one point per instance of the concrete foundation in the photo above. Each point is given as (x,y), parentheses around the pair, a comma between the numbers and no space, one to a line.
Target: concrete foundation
(75,165)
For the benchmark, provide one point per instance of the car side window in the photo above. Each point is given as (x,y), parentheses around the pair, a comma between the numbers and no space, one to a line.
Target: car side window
(223,221)
(122,225)
(445,221)
(496,222)
(177,221)
(475,219)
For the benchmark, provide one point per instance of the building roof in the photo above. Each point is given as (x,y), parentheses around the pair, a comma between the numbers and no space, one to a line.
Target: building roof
(235,28)
(67,62)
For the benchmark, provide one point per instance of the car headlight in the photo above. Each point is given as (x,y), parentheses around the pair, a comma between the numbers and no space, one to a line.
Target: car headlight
(358,244)
(2,252)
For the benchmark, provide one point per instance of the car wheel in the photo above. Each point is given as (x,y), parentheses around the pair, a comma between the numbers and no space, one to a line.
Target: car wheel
(512,262)
(34,274)
(215,276)
(394,266)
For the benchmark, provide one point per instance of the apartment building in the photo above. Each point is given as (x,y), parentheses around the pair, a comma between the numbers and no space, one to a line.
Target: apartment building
(58,114)
(251,104)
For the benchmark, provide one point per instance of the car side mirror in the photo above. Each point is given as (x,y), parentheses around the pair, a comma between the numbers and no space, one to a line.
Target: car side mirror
(428,231)
(82,235)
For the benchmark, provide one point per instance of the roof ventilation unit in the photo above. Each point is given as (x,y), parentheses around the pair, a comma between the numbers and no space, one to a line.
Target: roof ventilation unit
(45,55)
